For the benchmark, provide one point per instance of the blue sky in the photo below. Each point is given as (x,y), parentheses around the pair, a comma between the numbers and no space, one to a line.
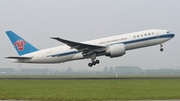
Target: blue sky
(81,20)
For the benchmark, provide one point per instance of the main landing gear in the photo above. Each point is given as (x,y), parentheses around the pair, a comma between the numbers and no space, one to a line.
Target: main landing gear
(94,62)
(161,49)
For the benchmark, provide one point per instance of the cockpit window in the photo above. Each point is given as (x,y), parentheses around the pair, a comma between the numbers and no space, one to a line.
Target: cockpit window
(168,31)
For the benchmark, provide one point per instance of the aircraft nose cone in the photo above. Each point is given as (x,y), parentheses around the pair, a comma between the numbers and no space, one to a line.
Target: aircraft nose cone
(172,35)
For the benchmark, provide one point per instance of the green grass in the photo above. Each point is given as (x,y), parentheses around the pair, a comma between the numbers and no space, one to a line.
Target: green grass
(90,89)
(94,76)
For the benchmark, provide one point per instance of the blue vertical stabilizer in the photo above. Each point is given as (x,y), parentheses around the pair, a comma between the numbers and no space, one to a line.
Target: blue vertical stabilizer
(22,46)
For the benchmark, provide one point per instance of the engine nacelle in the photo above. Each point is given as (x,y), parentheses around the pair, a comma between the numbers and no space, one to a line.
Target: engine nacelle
(115,50)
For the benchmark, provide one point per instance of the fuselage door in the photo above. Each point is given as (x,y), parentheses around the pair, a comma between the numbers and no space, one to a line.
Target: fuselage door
(157,34)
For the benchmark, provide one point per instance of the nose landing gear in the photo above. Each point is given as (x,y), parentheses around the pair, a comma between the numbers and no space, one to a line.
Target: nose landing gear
(161,49)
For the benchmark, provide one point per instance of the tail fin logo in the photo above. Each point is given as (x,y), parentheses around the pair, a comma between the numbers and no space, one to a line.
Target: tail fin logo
(20,44)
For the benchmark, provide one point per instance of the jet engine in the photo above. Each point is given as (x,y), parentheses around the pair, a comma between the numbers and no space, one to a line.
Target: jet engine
(115,50)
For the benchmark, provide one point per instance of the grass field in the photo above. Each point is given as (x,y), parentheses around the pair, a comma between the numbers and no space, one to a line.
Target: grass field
(142,89)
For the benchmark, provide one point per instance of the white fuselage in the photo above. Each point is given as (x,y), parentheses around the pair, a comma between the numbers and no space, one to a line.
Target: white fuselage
(131,41)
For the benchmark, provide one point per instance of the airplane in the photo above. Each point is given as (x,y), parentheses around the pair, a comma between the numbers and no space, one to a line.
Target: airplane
(114,46)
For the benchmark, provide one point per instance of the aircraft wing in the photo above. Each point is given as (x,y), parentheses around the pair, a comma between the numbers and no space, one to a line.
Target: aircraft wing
(85,48)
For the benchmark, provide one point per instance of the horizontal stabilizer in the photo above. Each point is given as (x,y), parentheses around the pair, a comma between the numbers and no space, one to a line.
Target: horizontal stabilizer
(16,57)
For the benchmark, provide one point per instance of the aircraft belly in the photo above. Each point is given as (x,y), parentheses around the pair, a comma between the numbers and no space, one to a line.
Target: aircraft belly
(64,58)
(54,59)
(16,61)
(145,43)
(136,45)
(157,41)
(77,56)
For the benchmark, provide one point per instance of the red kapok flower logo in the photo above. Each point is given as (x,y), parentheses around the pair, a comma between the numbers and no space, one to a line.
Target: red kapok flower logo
(20,44)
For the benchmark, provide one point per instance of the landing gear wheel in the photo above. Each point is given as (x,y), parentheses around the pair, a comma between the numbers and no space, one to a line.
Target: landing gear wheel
(93,63)
(90,64)
(97,61)
(161,49)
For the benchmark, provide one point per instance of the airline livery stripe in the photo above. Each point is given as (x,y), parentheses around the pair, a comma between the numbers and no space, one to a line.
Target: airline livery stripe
(126,42)
(150,38)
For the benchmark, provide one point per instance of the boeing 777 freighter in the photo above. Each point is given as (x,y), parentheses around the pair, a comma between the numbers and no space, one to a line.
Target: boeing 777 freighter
(112,47)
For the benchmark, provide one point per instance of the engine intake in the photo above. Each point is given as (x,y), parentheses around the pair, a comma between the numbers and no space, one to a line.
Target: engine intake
(115,50)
